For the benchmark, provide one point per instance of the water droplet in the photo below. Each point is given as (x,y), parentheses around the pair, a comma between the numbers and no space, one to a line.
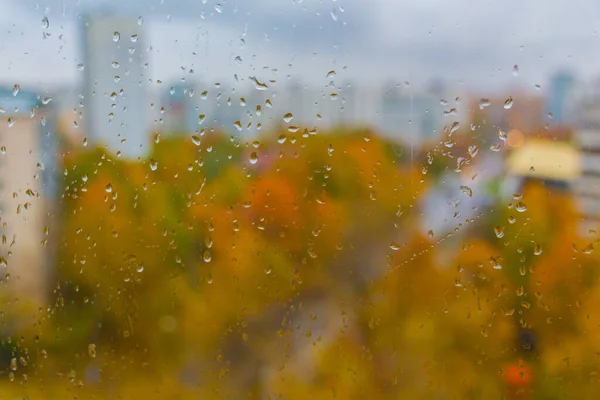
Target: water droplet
(473,150)
(80,67)
(334,14)
(11,122)
(45,23)
(515,70)
(282,138)
(430,234)
(521,207)
(196,140)
(333,96)
(92,350)
(293,129)
(219,8)
(238,60)
(140,21)
(537,249)
(207,257)
(466,190)
(201,118)
(495,147)
(483,103)
(495,263)
(108,188)
(508,103)
(116,36)
(253,158)
(502,135)
(454,127)
(499,231)
(153,165)
(394,246)
(288,117)
(429,157)
(588,249)
(511,220)
(238,125)
(331,74)
(16,89)
(46,100)
(258,85)
(115,64)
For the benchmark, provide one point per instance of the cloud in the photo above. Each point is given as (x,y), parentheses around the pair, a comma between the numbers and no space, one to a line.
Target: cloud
(463,42)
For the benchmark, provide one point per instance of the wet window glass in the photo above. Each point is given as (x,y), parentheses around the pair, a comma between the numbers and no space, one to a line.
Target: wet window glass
(295,199)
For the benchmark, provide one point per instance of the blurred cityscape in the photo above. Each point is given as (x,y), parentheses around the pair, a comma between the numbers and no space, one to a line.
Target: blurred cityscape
(494,144)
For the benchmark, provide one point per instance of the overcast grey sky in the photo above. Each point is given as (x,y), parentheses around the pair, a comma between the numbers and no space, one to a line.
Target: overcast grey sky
(464,42)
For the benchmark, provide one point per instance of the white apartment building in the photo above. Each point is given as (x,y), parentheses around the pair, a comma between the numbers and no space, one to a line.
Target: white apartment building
(587,188)
(115,99)
(28,188)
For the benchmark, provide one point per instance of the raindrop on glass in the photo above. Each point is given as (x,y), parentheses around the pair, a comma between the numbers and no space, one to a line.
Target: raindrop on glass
(466,190)
(502,135)
(92,350)
(473,150)
(499,231)
(253,158)
(521,207)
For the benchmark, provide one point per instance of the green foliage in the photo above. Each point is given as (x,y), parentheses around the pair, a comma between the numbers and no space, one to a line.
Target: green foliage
(199,274)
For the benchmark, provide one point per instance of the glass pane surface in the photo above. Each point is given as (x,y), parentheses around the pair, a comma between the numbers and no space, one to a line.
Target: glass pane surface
(299,199)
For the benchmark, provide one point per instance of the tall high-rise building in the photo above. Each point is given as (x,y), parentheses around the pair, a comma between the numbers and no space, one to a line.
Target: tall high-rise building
(115,103)
(28,192)
(559,97)
(587,189)
(180,109)
(413,117)
(349,109)
(227,112)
